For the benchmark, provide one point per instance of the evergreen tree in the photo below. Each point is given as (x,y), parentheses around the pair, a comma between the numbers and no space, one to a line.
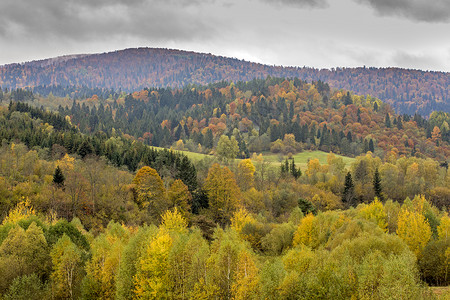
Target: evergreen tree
(375,106)
(371,146)
(296,173)
(399,123)
(348,196)
(58,177)
(348,99)
(387,121)
(377,185)
(85,148)
(289,168)
(208,139)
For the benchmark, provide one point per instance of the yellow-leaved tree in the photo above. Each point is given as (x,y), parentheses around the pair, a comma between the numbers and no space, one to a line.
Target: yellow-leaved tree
(23,210)
(414,229)
(173,221)
(149,192)
(444,228)
(304,233)
(375,212)
(246,277)
(245,174)
(152,280)
(102,268)
(66,260)
(179,197)
(240,218)
(223,193)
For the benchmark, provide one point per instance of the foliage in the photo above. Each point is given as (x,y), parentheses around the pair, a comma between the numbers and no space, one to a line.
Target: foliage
(223,193)
(414,230)
(23,210)
(151,279)
(67,271)
(375,212)
(27,287)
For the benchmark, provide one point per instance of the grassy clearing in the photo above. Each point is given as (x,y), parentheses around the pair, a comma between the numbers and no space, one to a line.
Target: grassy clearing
(301,159)
(191,155)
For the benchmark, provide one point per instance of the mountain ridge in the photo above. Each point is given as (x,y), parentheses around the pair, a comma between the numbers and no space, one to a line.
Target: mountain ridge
(407,90)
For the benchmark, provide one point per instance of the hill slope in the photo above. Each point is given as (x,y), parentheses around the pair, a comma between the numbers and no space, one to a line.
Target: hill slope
(408,91)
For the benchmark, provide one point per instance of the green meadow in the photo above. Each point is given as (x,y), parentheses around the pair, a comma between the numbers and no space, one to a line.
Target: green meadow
(301,159)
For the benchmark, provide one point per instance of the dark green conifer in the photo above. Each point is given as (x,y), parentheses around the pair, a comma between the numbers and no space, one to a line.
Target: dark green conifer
(387,121)
(348,196)
(58,177)
(377,186)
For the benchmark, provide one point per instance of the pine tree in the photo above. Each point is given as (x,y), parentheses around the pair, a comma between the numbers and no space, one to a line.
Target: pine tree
(58,177)
(371,146)
(377,186)
(348,196)
(375,106)
(296,173)
(399,123)
(348,99)
(85,148)
(387,121)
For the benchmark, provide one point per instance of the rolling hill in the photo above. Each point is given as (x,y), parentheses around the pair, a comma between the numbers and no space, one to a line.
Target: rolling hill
(407,91)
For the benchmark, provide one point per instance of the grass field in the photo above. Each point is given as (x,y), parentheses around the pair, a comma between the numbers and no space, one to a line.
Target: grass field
(301,159)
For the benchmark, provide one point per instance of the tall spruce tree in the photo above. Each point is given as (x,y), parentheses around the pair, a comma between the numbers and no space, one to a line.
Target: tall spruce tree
(377,185)
(387,121)
(348,196)
(58,177)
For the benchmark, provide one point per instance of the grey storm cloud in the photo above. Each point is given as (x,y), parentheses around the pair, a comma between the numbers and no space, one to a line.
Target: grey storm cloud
(432,11)
(87,19)
(300,3)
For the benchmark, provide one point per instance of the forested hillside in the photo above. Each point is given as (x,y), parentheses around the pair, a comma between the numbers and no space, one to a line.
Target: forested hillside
(274,114)
(102,216)
(408,91)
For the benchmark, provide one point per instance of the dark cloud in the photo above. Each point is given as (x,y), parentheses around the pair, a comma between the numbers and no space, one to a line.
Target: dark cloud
(432,11)
(104,19)
(300,3)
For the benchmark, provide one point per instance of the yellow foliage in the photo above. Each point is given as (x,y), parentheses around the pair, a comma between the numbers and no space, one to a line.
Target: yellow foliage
(313,167)
(414,229)
(223,193)
(179,196)
(174,221)
(66,163)
(23,210)
(444,228)
(246,279)
(179,145)
(375,212)
(245,172)
(304,233)
(151,278)
(419,203)
(240,218)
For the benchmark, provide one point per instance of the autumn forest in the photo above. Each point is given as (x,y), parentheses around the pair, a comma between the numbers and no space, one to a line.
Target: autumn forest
(278,187)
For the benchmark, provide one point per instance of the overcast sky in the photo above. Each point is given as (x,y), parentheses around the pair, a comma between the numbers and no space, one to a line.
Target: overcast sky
(315,33)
